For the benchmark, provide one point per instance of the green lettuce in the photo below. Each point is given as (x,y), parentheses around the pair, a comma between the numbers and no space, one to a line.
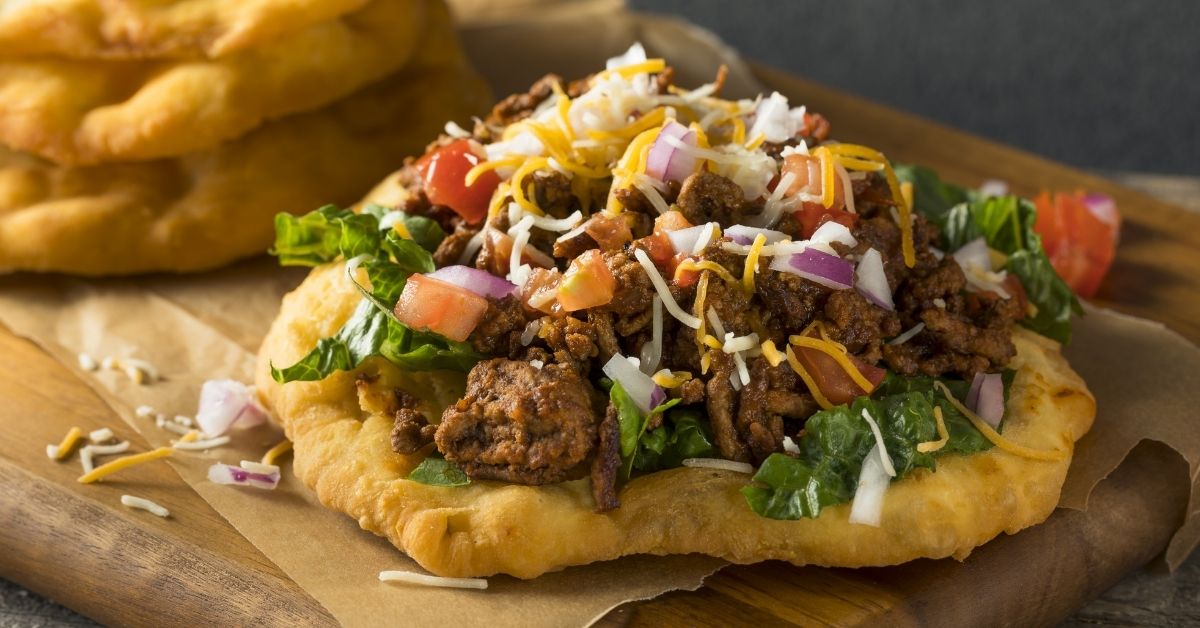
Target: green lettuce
(684,434)
(632,424)
(1006,223)
(836,441)
(437,471)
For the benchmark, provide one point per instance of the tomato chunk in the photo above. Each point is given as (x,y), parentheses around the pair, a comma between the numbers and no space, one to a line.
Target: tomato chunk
(610,232)
(440,307)
(587,283)
(1081,241)
(812,215)
(807,172)
(443,172)
(832,379)
(497,249)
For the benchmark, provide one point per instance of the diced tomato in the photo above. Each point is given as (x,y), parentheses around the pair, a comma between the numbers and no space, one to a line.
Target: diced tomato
(813,215)
(832,379)
(443,172)
(807,172)
(682,279)
(1081,242)
(815,126)
(440,307)
(497,250)
(587,283)
(658,246)
(671,221)
(610,232)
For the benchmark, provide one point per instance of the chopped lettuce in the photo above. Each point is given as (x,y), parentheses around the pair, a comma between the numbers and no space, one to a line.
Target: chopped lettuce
(372,330)
(1006,223)
(683,434)
(424,231)
(437,471)
(632,424)
(836,441)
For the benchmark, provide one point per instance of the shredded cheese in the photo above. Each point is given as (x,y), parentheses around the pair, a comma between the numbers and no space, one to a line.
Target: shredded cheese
(409,577)
(718,463)
(943,435)
(519,193)
(772,354)
(671,379)
(87,454)
(273,454)
(144,504)
(690,264)
(995,437)
(100,435)
(839,356)
(828,191)
(751,268)
(807,379)
(478,169)
(63,448)
(660,286)
(201,445)
(123,463)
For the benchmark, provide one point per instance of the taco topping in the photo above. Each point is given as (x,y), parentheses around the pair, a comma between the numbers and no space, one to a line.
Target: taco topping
(637,276)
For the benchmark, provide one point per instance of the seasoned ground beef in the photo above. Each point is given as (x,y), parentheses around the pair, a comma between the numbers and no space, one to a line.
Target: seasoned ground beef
(412,432)
(451,250)
(552,193)
(859,324)
(720,400)
(635,293)
(705,197)
(499,331)
(606,463)
(791,299)
(570,340)
(759,428)
(519,423)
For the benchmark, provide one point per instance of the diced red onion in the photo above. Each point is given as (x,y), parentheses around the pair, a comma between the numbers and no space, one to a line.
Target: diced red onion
(684,240)
(478,281)
(221,473)
(990,404)
(745,235)
(873,481)
(1103,207)
(974,253)
(224,403)
(645,393)
(668,163)
(993,187)
(872,282)
(972,399)
(831,232)
(817,266)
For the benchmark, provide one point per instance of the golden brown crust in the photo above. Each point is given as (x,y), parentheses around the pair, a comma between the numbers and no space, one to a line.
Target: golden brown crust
(343,452)
(207,209)
(82,112)
(88,29)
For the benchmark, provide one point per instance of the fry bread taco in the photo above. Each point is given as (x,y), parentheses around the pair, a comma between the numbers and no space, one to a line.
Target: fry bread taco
(618,317)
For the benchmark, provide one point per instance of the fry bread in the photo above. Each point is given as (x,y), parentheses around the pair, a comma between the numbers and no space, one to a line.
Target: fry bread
(207,209)
(342,451)
(139,29)
(82,112)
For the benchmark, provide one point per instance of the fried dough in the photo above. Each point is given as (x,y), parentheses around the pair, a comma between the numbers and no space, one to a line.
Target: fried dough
(81,112)
(207,209)
(343,452)
(139,29)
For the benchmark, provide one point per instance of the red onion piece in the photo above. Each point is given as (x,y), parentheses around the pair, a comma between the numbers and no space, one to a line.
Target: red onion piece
(817,266)
(668,163)
(974,253)
(225,403)
(221,473)
(684,240)
(1103,207)
(745,235)
(972,399)
(990,404)
(645,393)
(478,281)
(831,232)
(872,282)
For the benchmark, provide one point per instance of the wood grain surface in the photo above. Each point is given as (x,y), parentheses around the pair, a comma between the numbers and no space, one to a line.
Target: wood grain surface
(78,545)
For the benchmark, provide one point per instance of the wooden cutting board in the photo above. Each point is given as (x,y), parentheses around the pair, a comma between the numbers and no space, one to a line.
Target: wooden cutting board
(77,545)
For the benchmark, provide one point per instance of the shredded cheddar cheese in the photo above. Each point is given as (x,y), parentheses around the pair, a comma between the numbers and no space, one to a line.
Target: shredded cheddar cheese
(653,119)
(125,462)
(721,271)
(649,66)
(839,356)
(752,263)
(995,437)
(273,454)
(671,379)
(519,193)
(808,380)
(828,191)
(68,442)
(711,342)
(943,434)
(772,355)
(482,167)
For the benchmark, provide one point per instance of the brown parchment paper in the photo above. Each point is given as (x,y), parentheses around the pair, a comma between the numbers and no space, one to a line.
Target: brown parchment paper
(199,327)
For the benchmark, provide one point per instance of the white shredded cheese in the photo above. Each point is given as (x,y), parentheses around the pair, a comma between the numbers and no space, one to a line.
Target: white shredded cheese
(258,467)
(144,412)
(88,453)
(715,321)
(883,454)
(516,215)
(52,451)
(87,362)
(908,335)
(706,236)
(790,445)
(775,205)
(652,351)
(140,371)
(453,130)
(641,182)
(664,292)
(201,445)
(742,372)
(738,344)
(940,303)
(530,332)
(847,190)
(520,233)
(718,463)
(184,420)
(100,435)
(171,426)
(144,504)
(409,577)
(472,248)
(572,233)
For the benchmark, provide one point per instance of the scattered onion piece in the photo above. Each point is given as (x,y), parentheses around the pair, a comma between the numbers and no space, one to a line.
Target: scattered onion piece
(225,403)
(409,577)
(646,395)
(873,480)
(478,281)
(872,282)
(221,473)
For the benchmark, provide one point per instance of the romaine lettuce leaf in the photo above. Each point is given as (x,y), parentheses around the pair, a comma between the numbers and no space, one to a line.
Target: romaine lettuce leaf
(683,434)
(437,471)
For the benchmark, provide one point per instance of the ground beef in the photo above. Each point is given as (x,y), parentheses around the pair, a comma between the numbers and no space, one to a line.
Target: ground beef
(792,300)
(519,423)
(706,197)
(758,427)
(602,331)
(412,432)
(552,193)
(451,249)
(574,246)
(720,402)
(635,293)
(859,324)
(499,331)
(516,107)
(570,340)
(958,334)
(606,463)
(690,392)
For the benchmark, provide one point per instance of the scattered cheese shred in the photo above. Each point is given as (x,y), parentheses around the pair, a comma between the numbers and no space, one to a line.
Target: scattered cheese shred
(519,193)
(690,264)
(409,577)
(273,454)
(828,191)
(660,285)
(109,468)
(839,356)
(478,169)
(200,445)
(650,66)
(995,437)
(808,380)
(145,504)
(943,435)
(772,354)
(64,447)
(752,263)
(100,435)
(870,154)
(671,379)
(718,463)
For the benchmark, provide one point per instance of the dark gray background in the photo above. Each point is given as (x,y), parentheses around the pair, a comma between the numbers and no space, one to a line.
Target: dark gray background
(1099,84)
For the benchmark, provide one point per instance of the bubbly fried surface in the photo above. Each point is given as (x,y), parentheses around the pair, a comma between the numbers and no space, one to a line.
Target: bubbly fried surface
(86,112)
(342,451)
(148,28)
(207,209)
